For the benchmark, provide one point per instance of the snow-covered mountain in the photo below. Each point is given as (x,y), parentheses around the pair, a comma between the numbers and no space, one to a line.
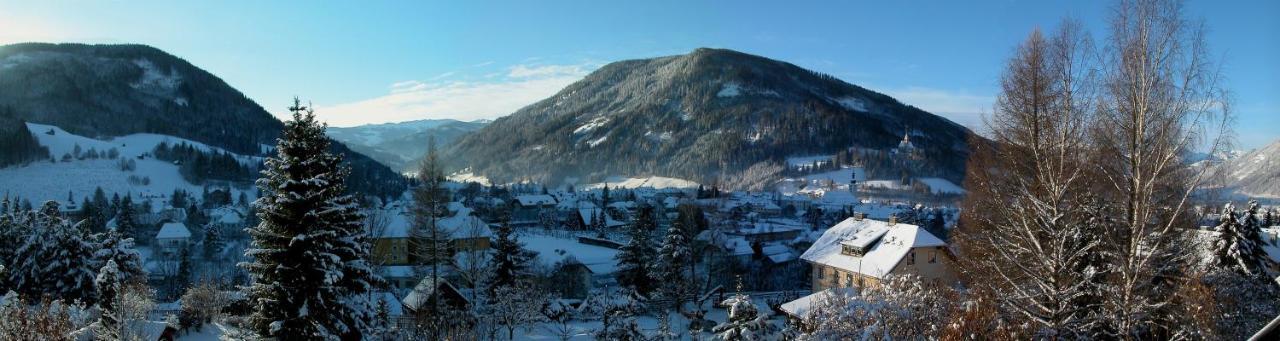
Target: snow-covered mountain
(399,145)
(709,116)
(59,178)
(1252,174)
(106,91)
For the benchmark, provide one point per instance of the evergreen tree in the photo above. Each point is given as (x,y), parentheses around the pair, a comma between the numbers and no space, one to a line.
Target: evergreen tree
(1269,218)
(634,258)
(674,256)
(307,256)
(109,319)
(126,223)
(746,321)
(183,280)
(56,259)
(119,249)
(1239,244)
(604,196)
(213,242)
(510,259)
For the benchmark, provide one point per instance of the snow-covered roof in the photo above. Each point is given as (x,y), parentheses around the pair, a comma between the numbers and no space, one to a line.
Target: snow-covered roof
(460,225)
(801,307)
(423,291)
(464,225)
(569,204)
(551,250)
(173,231)
(535,200)
(586,215)
(893,243)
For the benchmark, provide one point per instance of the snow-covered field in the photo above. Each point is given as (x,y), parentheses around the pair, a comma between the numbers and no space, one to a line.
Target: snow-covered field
(656,182)
(941,186)
(802,161)
(468,177)
(43,180)
(130,146)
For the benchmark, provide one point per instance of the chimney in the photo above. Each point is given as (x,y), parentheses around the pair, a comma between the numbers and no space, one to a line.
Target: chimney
(893,219)
(858,216)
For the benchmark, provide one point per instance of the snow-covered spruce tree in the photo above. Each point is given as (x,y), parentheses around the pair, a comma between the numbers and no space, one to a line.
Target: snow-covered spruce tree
(212,241)
(56,259)
(117,248)
(674,257)
(510,259)
(1269,218)
(307,257)
(1239,244)
(635,258)
(746,322)
(126,223)
(109,321)
(13,233)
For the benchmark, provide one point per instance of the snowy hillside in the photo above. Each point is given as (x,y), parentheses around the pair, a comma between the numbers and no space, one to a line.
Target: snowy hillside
(1254,174)
(41,181)
(656,182)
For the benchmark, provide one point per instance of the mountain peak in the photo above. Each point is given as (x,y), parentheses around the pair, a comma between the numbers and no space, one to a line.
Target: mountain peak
(708,116)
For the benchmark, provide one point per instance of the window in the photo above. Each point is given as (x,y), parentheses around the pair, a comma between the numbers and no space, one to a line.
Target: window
(822,271)
(933,257)
(911,258)
(848,279)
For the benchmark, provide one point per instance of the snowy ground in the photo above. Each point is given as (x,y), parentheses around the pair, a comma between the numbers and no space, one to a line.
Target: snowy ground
(648,324)
(469,177)
(656,182)
(941,186)
(805,161)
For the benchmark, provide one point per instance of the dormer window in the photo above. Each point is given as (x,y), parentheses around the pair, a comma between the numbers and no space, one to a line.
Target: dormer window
(852,250)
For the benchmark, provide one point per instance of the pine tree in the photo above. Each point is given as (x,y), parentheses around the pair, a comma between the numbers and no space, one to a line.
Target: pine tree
(119,249)
(183,280)
(126,224)
(213,242)
(604,196)
(108,284)
(57,259)
(510,260)
(1239,244)
(634,257)
(1269,218)
(746,322)
(674,256)
(307,257)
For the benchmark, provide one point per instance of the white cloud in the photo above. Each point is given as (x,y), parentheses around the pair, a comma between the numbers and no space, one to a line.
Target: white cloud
(959,106)
(523,71)
(463,100)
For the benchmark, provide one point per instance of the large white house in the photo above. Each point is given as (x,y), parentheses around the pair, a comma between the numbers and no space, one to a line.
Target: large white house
(860,252)
(172,239)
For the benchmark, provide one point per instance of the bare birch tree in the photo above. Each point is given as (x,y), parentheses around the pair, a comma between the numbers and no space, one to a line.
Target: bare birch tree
(1161,99)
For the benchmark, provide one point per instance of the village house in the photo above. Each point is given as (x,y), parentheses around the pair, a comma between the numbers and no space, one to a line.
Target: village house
(391,245)
(860,252)
(526,209)
(172,239)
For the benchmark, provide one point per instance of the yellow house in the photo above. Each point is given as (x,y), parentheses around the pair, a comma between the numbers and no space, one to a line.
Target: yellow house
(466,232)
(861,252)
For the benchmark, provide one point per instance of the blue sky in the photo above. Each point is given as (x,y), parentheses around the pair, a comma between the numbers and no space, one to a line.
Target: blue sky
(383,61)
